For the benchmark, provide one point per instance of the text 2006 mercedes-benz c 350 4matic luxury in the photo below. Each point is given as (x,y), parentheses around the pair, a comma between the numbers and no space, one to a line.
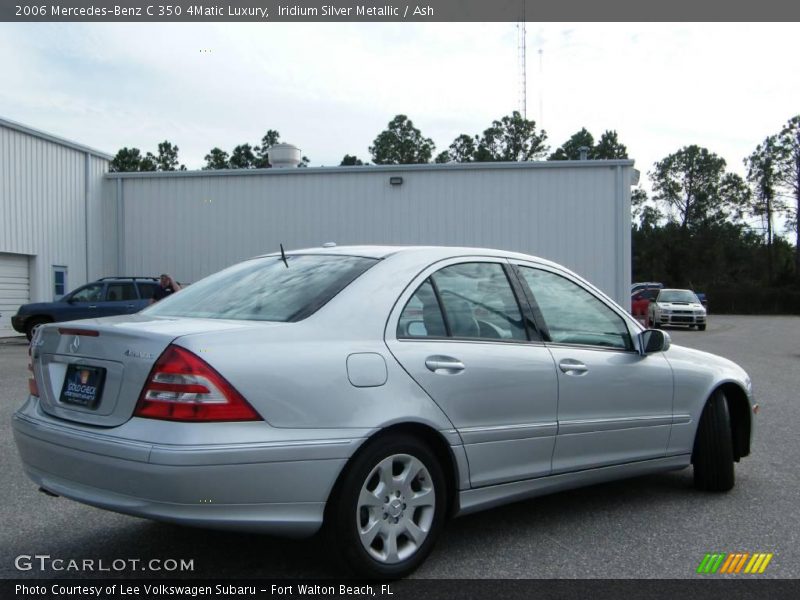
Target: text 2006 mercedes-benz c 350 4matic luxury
(374,391)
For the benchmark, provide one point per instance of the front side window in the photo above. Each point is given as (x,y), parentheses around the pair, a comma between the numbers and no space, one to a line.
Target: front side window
(90,293)
(573,315)
(266,289)
(476,302)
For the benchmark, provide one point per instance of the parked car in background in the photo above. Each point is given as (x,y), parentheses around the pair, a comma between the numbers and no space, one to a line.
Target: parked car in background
(102,298)
(645,285)
(372,391)
(641,299)
(677,307)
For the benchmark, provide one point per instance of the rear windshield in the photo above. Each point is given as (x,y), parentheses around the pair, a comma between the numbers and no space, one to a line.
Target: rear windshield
(264,289)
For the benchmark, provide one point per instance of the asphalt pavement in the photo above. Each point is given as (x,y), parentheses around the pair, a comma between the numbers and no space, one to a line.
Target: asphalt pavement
(655,526)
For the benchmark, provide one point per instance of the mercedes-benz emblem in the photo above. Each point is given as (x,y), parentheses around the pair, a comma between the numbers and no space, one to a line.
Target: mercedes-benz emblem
(76,343)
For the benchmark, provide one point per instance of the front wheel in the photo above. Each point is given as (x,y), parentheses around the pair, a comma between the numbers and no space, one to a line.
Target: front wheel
(713,447)
(389,508)
(701,327)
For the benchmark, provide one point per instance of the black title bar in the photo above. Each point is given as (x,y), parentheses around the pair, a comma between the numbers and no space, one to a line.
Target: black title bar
(334,11)
(699,588)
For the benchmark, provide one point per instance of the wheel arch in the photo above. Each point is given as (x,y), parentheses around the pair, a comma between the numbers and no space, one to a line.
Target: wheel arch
(740,414)
(438,445)
(41,318)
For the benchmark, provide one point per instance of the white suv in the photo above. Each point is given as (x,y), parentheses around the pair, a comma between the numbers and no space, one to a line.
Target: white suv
(677,307)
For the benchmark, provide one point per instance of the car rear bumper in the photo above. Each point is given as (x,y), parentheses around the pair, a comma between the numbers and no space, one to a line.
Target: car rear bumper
(283,491)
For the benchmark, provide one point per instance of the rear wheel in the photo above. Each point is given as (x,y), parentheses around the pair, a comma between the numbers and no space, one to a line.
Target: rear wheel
(389,508)
(33,324)
(713,447)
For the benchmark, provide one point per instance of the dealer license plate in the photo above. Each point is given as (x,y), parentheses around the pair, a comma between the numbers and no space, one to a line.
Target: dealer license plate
(83,385)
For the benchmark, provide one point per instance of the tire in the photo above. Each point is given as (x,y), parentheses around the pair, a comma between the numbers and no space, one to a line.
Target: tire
(701,327)
(380,539)
(32,324)
(713,447)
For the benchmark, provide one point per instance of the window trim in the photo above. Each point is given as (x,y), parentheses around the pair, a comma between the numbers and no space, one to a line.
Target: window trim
(442,309)
(427,274)
(632,333)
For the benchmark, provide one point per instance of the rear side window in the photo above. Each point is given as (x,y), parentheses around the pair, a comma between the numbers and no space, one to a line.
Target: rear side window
(147,290)
(422,316)
(265,289)
(476,302)
(117,292)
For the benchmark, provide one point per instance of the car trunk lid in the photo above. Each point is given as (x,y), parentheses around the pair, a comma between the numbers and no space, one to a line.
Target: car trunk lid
(92,371)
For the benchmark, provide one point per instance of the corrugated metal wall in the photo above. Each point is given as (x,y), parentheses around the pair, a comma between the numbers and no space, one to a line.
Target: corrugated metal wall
(191,225)
(49,194)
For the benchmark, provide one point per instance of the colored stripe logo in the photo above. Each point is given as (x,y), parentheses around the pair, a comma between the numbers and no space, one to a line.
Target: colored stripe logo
(734,563)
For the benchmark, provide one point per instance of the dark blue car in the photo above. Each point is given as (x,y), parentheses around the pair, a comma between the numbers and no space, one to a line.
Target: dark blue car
(102,298)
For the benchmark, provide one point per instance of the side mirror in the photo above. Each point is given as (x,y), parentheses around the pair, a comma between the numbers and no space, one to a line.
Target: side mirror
(653,340)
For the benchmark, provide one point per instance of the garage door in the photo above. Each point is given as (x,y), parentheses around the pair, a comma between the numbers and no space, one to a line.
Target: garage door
(14,289)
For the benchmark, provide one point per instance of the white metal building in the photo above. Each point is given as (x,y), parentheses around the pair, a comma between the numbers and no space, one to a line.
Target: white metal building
(193,223)
(50,209)
(62,213)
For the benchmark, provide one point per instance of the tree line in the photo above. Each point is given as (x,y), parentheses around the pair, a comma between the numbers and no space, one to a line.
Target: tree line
(692,231)
(512,138)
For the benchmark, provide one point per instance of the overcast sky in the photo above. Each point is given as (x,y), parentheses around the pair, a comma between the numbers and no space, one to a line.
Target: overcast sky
(331,88)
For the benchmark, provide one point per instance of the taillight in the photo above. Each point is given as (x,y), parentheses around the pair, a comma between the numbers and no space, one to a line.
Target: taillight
(33,388)
(183,387)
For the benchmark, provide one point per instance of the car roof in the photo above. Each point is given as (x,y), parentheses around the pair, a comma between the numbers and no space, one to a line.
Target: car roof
(675,290)
(123,278)
(424,252)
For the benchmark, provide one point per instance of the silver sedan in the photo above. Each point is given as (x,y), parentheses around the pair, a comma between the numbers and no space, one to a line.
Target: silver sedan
(374,391)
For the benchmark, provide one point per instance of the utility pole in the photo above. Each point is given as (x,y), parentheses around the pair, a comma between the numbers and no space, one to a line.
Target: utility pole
(522,57)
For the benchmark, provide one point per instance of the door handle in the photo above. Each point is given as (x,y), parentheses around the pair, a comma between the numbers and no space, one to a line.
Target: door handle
(444,365)
(129,306)
(571,366)
(93,306)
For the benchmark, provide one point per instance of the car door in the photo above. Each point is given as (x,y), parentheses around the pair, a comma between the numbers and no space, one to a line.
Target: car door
(460,332)
(121,298)
(614,405)
(83,303)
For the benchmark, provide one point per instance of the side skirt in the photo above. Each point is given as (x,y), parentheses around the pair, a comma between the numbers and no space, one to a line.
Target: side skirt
(496,495)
